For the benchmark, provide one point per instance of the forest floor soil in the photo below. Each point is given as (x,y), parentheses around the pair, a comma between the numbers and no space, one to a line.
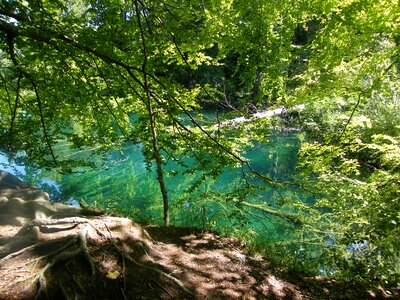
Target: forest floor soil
(126,261)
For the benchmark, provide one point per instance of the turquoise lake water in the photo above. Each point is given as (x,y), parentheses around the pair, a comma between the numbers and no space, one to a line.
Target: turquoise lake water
(123,182)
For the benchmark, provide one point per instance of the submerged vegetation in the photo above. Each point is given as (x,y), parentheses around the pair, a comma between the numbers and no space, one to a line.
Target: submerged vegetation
(168,79)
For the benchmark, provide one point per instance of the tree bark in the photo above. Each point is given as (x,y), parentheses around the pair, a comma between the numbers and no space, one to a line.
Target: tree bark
(156,149)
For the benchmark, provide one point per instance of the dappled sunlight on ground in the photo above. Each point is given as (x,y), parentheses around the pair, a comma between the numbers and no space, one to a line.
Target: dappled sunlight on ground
(215,267)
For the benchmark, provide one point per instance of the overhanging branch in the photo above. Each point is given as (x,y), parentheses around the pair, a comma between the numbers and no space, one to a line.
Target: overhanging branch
(50,38)
(284,215)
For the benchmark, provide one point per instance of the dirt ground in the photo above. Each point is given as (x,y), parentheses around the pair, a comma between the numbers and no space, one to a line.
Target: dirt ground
(55,251)
(126,261)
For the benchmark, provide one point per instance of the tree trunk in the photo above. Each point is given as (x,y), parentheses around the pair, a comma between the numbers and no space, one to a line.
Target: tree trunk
(158,160)
(156,149)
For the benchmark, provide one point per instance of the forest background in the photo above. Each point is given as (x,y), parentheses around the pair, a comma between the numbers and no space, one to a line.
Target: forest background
(106,73)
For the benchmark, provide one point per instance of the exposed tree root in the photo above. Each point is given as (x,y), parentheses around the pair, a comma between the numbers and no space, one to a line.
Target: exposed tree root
(75,235)
(84,248)
(43,224)
(170,277)
(42,253)
(57,256)
(40,278)
(75,280)
(131,259)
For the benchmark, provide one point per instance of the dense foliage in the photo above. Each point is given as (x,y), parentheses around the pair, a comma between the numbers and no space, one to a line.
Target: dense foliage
(102,73)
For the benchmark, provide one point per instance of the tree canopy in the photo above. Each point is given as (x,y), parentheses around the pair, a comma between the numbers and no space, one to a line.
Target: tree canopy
(108,72)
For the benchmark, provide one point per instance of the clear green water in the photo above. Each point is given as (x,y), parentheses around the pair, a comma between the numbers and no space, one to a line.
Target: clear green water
(124,183)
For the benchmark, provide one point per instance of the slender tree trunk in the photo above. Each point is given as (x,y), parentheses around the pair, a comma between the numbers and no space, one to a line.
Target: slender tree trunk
(158,160)
(156,149)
